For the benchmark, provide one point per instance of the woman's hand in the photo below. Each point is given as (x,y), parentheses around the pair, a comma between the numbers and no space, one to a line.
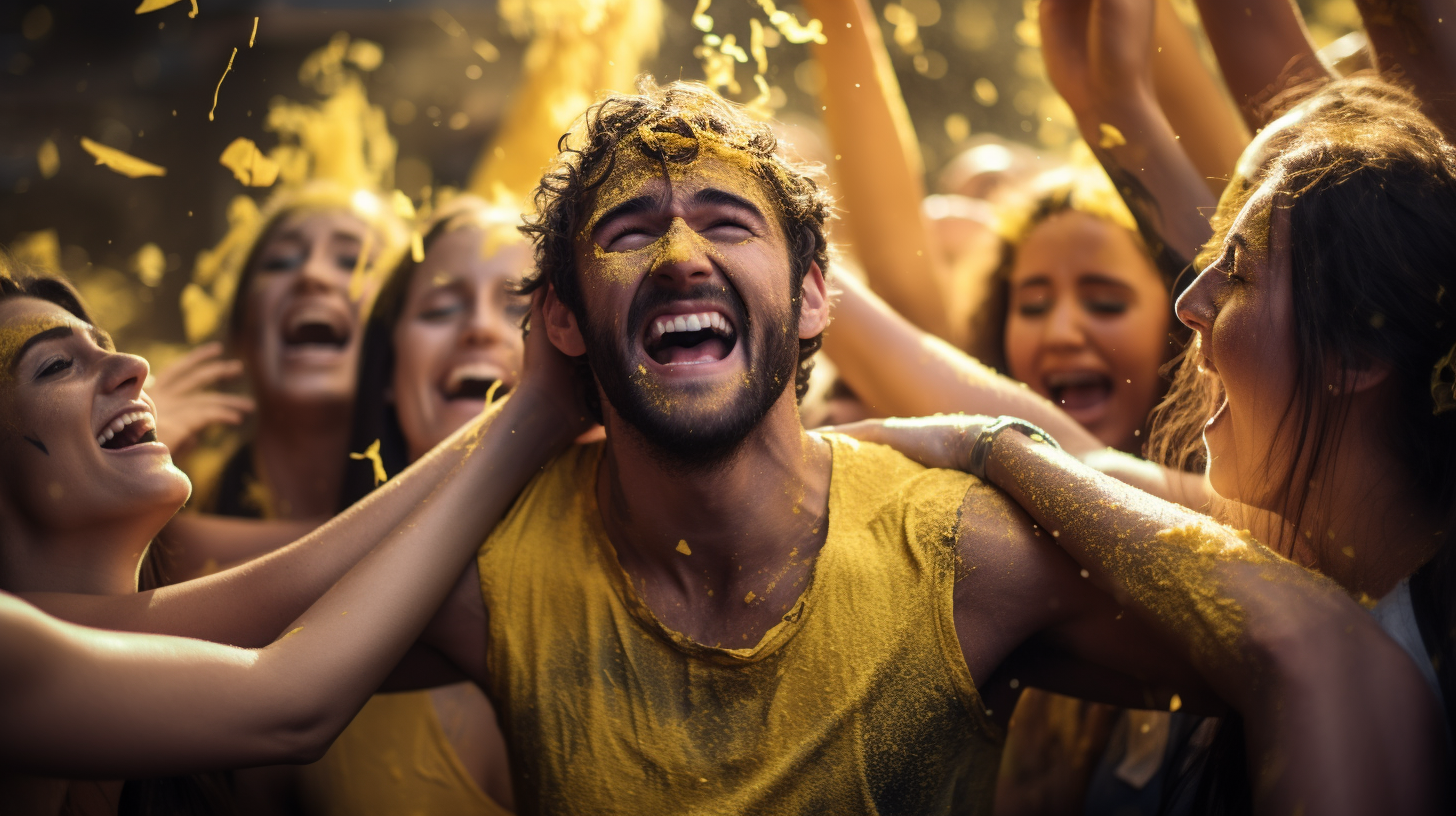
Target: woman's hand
(549,378)
(185,403)
(1098,52)
(941,441)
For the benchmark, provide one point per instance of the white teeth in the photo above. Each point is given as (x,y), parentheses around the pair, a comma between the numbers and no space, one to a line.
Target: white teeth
(692,322)
(110,431)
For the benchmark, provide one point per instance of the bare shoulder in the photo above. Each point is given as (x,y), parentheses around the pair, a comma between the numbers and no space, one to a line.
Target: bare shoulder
(30,641)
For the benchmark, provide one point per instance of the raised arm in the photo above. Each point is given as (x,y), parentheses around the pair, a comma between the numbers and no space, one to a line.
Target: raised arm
(1097,57)
(250,604)
(1207,123)
(1413,42)
(878,170)
(1262,48)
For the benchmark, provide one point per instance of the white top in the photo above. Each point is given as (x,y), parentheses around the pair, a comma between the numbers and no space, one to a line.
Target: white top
(1397,617)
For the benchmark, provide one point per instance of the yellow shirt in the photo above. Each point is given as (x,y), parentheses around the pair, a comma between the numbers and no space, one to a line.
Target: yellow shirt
(859,701)
(393,760)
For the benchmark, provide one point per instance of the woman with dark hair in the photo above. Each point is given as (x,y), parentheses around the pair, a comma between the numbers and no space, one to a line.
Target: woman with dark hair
(86,488)
(1319,383)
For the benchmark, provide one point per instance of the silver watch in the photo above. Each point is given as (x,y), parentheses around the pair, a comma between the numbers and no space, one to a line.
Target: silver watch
(981,450)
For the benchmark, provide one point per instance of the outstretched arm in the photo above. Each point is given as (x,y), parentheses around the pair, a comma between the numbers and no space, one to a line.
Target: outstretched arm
(1263,49)
(250,604)
(1207,123)
(1416,42)
(878,169)
(900,370)
(1338,719)
(79,701)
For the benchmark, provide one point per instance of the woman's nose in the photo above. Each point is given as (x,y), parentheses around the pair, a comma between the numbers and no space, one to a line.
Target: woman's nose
(125,372)
(1064,325)
(1195,307)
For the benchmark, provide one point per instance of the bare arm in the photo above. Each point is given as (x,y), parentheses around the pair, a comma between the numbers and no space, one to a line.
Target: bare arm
(80,701)
(250,604)
(878,169)
(1262,48)
(1096,54)
(900,370)
(1198,108)
(1416,41)
(200,544)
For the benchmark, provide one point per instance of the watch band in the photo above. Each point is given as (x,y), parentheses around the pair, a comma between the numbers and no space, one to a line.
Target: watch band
(981,450)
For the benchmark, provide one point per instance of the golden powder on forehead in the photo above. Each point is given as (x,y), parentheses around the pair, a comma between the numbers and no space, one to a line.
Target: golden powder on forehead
(15,333)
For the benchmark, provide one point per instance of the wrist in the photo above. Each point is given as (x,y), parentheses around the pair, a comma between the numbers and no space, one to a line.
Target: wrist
(983,450)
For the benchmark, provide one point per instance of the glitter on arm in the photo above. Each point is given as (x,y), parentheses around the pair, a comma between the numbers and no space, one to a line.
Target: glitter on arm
(218,89)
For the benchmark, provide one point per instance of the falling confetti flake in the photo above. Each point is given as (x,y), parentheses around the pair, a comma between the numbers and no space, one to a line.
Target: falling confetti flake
(155,5)
(123,163)
(1111,137)
(218,89)
(249,164)
(48,159)
(149,264)
(682,547)
(371,453)
(254,36)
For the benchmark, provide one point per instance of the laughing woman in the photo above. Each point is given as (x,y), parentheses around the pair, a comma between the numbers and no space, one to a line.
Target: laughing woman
(86,488)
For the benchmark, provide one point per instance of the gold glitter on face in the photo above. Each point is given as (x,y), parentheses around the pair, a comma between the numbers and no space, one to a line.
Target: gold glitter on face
(14,336)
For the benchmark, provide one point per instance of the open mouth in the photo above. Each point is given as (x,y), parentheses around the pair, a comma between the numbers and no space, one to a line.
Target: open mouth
(473,382)
(1078,390)
(689,339)
(316,330)
(132,428)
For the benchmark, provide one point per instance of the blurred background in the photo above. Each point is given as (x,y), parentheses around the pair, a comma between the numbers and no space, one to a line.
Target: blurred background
(145,83)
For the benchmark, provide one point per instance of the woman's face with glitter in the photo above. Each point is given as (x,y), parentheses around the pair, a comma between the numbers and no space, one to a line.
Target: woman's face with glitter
(690,320)
(78,434)
(300,334)
(1242,307)
(459,334)
(1087,326)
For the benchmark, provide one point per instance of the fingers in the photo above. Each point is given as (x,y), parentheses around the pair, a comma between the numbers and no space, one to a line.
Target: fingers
(202,375)
(182,365)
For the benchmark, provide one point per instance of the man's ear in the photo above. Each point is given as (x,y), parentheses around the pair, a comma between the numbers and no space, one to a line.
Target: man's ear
(813,303)
(561,328)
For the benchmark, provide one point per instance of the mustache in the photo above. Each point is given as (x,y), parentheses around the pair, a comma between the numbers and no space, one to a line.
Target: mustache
(650,298)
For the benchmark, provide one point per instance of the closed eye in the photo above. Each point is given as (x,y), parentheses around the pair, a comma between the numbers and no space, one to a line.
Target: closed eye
(53,366)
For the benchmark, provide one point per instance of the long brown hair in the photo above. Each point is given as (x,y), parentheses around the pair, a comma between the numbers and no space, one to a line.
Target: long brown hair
(1369,185)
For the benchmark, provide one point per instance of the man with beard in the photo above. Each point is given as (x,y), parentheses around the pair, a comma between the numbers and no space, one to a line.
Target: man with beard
(715,611)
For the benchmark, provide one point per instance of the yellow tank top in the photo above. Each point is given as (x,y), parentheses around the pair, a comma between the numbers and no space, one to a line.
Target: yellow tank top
(859,701)
(393,760)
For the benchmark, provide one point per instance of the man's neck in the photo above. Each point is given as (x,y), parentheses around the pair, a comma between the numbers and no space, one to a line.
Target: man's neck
(300,459)
(717,551)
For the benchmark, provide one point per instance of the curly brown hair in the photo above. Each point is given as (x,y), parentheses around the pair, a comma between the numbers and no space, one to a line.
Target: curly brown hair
(694,112)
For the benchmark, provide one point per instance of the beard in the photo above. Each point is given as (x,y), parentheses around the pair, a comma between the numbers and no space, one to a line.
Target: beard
(702,424)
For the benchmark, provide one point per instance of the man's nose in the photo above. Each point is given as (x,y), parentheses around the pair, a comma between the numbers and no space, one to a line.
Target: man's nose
(685,256)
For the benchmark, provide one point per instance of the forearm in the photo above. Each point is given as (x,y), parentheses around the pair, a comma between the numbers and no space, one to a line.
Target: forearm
(1160,185)
(1262,47)
(250,604)
(878,168)
(1410,40)
(198,544)
(1199,111)
(900,370)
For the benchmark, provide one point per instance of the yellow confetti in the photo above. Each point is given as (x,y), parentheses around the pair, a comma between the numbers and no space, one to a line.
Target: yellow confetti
(403,207)
(154,5)
(372,454)
(200,312)
(701,21)
(447,23)
(254,36)
(730,47)
(218,89)
(749,597)
(48,159)
(417,247)
(365,55)
(149,264)
(193,13)
(755,45)
(485,50)
(1111,137)
(249,164)
(291,632)
(1175,703)
(789,25)
(490,392)
(682,547)
(123,163)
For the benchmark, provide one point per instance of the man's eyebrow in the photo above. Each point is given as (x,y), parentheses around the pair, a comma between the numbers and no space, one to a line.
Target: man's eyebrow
(52,333)
(713,195)
(632,206)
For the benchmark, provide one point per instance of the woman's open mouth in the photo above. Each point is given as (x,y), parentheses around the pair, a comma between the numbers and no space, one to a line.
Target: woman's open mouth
(127,430)
(690,338)
(1082,394)
(473,381)
(316,329)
